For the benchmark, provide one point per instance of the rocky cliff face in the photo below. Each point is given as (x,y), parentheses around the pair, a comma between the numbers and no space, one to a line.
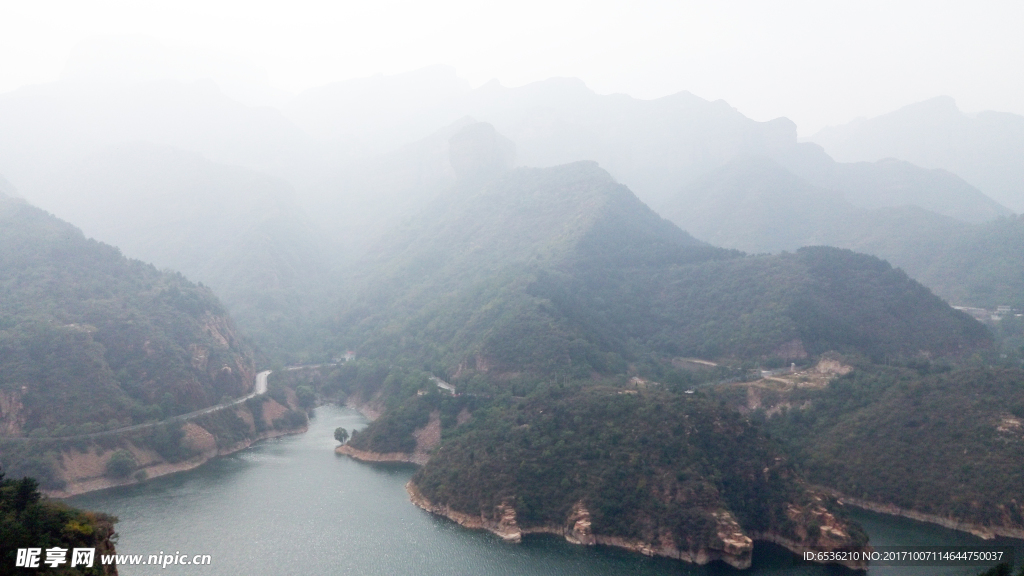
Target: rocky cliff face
(239,371)
(665,475)
(808,523)
(501,521)
(729,542)
(85,467)
(12,416)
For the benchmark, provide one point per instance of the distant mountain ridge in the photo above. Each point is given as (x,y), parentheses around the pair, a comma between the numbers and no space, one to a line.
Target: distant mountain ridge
(551,268)
(757,205)
(986,149)
(653,146)
(355,193)
(658,146)
(237,230)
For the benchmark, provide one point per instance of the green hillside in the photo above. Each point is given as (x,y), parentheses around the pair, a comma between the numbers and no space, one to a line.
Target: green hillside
(563,270)
(756,205)
(939,441)
(653,467)
(90,340)
(555,302)
(970,265)
(461,276)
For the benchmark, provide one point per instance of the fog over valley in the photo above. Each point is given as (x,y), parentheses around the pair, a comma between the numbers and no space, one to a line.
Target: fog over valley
(593,284)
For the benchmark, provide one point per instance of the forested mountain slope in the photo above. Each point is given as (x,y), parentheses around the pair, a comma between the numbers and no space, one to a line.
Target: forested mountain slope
(974,265)
(551,299)
(889,183)
(92,340)
(939,441)
(665,474)
(261,248)
(564,269)
(28,520)
(756,205)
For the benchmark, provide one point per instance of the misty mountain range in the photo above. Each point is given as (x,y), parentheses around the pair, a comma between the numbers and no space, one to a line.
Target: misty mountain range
(179,174)
(583,296)
(985,149)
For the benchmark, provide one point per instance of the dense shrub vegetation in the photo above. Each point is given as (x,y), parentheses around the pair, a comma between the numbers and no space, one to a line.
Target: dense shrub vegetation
(27,520)
(938,440)
(561,270)
(540,295)
(644,464)
(90,340)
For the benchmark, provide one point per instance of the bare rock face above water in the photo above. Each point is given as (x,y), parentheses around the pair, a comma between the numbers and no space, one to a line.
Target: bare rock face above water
(727,541)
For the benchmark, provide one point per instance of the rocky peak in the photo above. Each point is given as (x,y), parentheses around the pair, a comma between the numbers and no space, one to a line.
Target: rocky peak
(477,152)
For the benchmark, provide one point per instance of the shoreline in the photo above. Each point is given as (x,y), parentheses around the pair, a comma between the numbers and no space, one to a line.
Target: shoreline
(427,438)
(510,532)
(156,470)
(736,552)
(394,457)
(981,531)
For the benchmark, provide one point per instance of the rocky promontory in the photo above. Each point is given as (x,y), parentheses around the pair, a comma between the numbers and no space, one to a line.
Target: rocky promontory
(731,546)
(426,437)
(366,456)
(727,542)
(673,476)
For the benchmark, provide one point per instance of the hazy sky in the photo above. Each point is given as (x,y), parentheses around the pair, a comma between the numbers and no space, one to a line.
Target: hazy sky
(815,62)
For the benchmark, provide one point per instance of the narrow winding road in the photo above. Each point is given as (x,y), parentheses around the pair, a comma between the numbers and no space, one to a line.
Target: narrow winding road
(259,388)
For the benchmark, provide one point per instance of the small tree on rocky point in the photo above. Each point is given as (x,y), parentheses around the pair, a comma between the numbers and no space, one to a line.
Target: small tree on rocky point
(341,435)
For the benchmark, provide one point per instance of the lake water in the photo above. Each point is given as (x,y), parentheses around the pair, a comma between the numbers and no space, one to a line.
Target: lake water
(291,506)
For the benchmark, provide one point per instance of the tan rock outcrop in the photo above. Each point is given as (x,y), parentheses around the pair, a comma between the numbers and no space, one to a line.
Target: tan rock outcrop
(735,547)
(12,414)
(85,470)
(427,438)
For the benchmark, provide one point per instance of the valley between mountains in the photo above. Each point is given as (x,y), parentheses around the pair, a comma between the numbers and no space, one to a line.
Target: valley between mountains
(659,325)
